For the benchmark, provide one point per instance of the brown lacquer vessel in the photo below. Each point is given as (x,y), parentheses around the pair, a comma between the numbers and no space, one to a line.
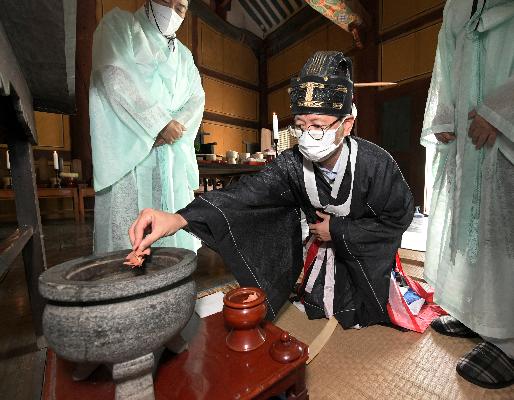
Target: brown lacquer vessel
(243,311)
(287,349)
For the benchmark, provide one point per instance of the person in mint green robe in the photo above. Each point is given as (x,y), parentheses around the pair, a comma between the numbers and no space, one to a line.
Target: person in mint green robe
(469,134)
(146,105)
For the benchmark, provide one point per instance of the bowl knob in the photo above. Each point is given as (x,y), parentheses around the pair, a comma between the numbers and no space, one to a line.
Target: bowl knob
(287,349)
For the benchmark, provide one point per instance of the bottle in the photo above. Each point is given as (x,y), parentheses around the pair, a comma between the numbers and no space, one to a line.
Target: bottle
(417,213)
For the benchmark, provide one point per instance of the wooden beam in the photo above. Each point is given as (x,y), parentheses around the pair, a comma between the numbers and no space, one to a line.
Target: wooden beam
(432,16)
(194,39)
(227,78)
(79,123)
(230,120)
(204,12)
(296,28)
(263,94)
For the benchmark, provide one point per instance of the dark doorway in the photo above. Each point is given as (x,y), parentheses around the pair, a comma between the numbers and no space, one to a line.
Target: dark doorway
(400,119)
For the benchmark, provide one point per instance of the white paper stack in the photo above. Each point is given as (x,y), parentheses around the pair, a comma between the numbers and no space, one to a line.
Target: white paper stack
(210,304)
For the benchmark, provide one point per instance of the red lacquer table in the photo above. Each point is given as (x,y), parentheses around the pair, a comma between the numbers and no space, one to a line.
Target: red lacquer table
(208,370)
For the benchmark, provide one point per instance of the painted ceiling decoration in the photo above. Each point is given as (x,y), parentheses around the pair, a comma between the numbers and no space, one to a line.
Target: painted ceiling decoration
(264,16)
(347,14)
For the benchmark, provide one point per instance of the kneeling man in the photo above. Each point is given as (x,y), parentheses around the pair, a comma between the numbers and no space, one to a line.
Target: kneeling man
(351,191)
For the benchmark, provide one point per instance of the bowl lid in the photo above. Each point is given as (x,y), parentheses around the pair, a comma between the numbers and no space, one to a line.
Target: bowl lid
(244,297)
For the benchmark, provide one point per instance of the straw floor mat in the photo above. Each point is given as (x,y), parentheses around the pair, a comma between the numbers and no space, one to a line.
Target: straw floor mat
(385,364)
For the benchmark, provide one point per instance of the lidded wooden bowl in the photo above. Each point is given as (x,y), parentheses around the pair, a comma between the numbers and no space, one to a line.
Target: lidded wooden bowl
(243,311)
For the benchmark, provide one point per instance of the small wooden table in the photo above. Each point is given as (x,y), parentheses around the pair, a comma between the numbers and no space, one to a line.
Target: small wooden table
(208,370)
(50,193)
(83,193)
(225,172)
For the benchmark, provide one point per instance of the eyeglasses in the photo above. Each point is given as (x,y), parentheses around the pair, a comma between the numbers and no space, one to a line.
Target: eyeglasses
(316,133)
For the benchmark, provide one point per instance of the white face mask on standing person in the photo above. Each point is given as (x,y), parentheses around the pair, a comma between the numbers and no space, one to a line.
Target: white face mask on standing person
(165,18)
(318,150)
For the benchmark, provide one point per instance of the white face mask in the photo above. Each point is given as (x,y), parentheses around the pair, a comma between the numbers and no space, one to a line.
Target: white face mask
(319,150)
(165,18)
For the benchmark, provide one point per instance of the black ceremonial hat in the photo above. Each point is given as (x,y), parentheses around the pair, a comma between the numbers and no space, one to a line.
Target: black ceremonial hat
(324,85)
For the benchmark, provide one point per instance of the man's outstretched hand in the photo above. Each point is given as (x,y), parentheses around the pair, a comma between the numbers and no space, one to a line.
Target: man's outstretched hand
(155,224)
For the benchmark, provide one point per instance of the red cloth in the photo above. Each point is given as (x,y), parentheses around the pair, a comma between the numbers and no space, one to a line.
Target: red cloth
(398,310)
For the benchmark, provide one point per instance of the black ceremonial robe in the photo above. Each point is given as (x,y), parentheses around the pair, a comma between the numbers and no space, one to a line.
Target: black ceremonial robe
(254,225)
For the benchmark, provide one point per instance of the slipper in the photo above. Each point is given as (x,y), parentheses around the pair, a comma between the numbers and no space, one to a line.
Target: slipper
(487,366)
(450,326)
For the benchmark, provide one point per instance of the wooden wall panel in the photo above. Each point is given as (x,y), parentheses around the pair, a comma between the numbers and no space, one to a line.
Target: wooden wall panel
(289,62)
(231,100)
(222,54)
(185,32)
(398,59)
(278,102)
(229,137)
(210,47)
(396,12)
(53,131)
(239,61)
(104,6)
(409,56)
(426,45)
(339,39)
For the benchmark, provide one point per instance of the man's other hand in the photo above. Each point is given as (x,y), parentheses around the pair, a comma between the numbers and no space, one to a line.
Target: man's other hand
(155,224)
(445,137)
(159,141)
(321,230)
(172,132)
(480,131)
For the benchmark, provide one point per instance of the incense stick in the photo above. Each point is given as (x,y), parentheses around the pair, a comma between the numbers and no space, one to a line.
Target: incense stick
(374,84)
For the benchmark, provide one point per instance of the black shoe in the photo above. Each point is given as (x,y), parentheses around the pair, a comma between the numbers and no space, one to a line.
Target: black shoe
(487,366)
(450,326)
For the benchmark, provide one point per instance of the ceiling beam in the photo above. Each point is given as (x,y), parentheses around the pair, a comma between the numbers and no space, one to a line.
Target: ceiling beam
(204,12)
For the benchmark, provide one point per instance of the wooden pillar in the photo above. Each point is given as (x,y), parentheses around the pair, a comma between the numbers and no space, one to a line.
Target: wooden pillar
(27,212)
(365,69)
(263,90)
(80,137)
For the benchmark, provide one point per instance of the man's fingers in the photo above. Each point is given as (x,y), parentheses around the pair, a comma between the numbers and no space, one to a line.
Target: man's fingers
(445,137)
(472,114)
(321,215)
(142,223)
(148,241)
(440,137)
(131,233)
(490,140)
(480,140)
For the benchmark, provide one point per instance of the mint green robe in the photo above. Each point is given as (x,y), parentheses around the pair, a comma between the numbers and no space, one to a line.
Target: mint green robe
(470,246)
(138,85)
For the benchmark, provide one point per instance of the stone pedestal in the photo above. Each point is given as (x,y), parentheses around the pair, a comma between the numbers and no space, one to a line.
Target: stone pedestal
(134,379)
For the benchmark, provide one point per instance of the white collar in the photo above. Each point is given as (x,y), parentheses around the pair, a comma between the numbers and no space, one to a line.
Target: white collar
(349,151)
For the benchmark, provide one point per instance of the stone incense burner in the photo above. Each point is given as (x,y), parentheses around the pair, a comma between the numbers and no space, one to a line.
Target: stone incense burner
(100,311)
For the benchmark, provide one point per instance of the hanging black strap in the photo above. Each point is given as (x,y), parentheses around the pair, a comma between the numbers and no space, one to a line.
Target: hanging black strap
(474,8)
